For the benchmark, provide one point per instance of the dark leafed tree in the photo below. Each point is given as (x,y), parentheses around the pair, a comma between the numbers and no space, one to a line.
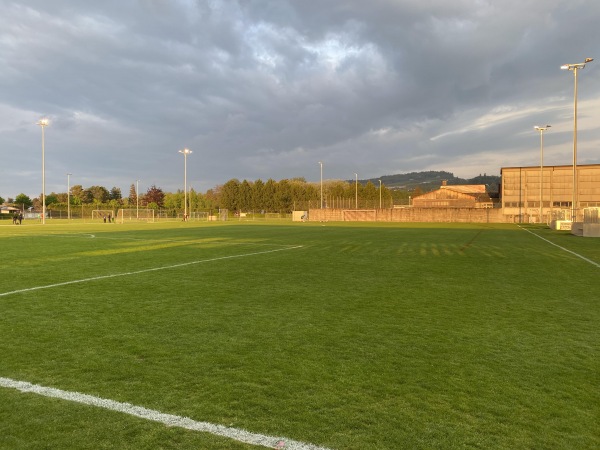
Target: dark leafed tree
(155,195)
(99,194)
(115,194)
(132,194)
(1,201)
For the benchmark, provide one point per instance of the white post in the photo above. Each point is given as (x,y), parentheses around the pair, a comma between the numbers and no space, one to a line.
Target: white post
(43,123)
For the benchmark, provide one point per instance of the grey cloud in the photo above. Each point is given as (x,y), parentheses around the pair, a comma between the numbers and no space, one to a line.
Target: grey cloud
(265,88)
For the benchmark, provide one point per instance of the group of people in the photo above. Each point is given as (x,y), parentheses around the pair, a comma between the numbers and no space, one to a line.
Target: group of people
(17,218)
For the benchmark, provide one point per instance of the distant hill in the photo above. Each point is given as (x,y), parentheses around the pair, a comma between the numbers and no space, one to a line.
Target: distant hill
(432,180)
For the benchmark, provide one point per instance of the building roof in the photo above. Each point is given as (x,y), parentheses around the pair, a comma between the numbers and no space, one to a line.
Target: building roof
(466,188)
(9,208)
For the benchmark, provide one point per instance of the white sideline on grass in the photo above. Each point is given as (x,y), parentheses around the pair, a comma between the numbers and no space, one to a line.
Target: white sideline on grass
(166,419)
(153,269)
(593,263)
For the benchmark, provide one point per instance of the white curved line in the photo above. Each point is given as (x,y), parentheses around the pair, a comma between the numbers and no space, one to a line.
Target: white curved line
(157,416)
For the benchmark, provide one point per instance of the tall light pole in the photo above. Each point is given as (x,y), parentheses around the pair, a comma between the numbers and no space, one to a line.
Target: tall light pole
(356,190)
(321,164)
(185,152)
(541,130)
(43,123)
(379,194)
(575,68)
(69,196)
(137,199)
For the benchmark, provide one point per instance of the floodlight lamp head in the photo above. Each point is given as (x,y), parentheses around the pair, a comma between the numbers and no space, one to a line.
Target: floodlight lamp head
(587,60)
(185,151)
(43,122)
(565,67)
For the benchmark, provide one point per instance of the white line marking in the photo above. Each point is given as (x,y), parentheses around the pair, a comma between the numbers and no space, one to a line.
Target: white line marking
(153,269)
(157,416)
(593,263)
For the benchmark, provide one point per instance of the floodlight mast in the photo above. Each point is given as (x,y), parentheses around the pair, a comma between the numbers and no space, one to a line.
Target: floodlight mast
(541,130)
(575,68)
(321,164)
(185,152)
(43,123)
(69,196)
(356,190)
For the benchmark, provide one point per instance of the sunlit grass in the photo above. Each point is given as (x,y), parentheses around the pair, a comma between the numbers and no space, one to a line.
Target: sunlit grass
(368,336)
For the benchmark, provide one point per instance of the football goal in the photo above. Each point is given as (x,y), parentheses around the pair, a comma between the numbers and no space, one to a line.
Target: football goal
(130,215)
(106,215)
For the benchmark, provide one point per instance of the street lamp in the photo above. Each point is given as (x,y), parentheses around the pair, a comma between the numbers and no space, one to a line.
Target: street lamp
(137,199)
(356,189)
(185,152)
(379,194)
(575,68)
(43,123)
(69,196)
(541,130)
(321,164)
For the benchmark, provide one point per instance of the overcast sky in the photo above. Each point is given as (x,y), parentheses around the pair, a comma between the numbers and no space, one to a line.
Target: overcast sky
(268,88)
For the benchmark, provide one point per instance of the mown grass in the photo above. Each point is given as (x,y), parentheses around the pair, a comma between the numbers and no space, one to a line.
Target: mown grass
(369,336)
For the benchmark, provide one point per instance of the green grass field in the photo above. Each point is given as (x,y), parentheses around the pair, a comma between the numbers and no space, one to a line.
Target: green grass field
(345,336)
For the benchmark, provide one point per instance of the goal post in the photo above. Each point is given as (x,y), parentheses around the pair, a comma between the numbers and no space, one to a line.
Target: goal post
(135,215)
(107,215)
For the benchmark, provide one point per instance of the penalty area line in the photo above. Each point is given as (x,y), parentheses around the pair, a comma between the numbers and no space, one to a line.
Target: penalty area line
(170,420)
(593,263)
(152,269)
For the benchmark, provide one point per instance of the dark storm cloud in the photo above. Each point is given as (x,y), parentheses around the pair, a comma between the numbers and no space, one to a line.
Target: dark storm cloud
(261,89)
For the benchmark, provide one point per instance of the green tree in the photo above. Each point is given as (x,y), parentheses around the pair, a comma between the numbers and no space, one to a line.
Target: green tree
(257,195)
(283,197)
(115,194)
(77,192)
(269,195)
(245,196)
(229,195)
(96,194)
(1,201)
(173,202)
(132,195)
(51,199)
(23,200)
(211,199)
(368,195)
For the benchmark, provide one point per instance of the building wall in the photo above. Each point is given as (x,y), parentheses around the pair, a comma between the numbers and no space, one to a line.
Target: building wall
(522,188)
(412,214)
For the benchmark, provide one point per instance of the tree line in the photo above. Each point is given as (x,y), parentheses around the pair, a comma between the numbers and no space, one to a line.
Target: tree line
(281,196)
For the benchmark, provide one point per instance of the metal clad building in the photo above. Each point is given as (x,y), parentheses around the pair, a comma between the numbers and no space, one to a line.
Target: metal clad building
(523,188)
